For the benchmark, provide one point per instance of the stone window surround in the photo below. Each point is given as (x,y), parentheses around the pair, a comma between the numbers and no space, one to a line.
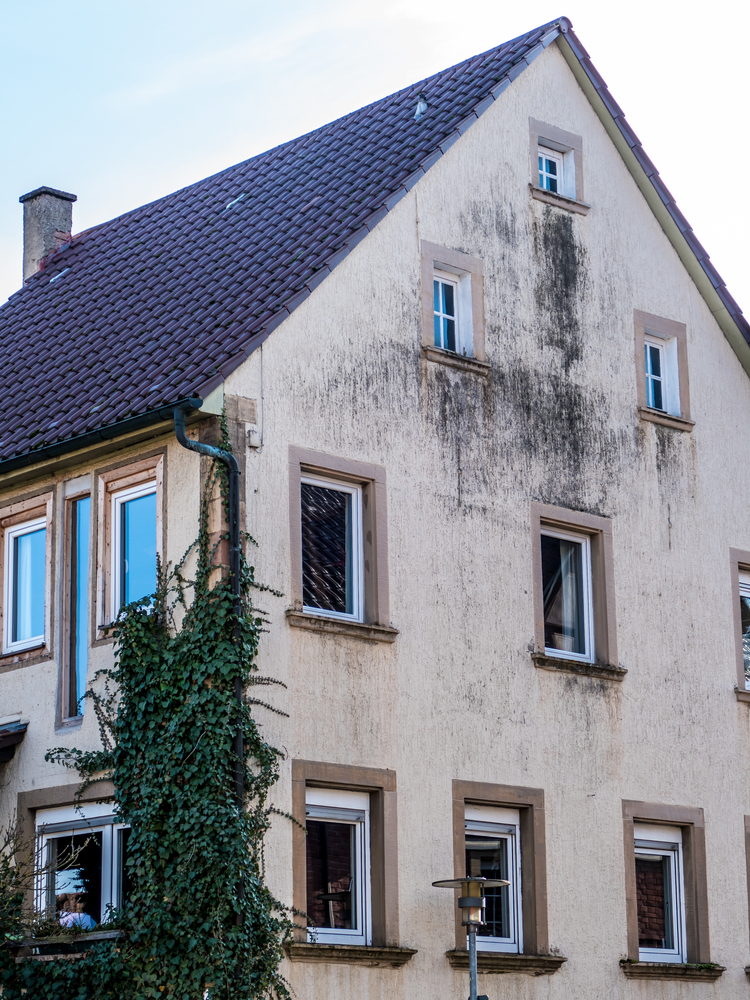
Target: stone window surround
(738,560)
(434,256)
(106,482)
(74,489)
(665,329)
(372,479)
(18,511)
(381,785)
(564,142)
(690,821)
(530,804)
(599,531)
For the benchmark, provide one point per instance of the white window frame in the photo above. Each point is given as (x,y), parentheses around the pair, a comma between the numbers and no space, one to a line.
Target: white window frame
(461,281)
(588,601)
(744,591)
(63,821)
(566,176)
(11,533)
(666,841)
(117,501)
(357,547)
(351,808)
(670,373)
(502,823)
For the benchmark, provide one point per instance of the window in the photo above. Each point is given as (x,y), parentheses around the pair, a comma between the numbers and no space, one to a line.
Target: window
(453,308)
(346,865)
(78,544)
(501,829)
(332,548)
(82,859)
(337,860)
(739,562)
(566,578)
(493,851)
(661,364)
(665,884)
(557,166)
(745,624)
(659,883)
(339,546)
(573,590)
(25,584)
(130,501)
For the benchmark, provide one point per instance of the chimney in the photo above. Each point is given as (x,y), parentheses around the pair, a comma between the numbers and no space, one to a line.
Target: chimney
(47,221)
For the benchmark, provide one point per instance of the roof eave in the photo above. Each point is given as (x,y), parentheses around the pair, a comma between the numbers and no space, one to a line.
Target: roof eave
(732,323)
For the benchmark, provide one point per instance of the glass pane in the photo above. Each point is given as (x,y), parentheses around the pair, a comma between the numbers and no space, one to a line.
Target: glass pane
(326,549)
(655,398)
(488,856)
(28,585)
(450,334)
(331,864)
(562,577)
(80,515)
(449,307)
(552,167)
(653,893)
(138,548)
(74,880)
(438,333)
(436,295)
(125,880)
(745,618)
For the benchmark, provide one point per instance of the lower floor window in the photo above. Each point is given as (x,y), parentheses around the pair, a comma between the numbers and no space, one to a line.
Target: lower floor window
(493,851)
(82,862)
(660,893)
(338,866)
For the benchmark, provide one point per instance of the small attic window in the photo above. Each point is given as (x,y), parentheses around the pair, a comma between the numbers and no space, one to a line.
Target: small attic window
(557,166)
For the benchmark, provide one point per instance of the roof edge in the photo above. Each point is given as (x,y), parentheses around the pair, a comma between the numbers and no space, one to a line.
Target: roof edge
(677,229)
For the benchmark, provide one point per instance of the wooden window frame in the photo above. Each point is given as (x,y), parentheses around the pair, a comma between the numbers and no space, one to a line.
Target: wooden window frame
(13,515)
(658,329)
(381,786)
(691,823)
(530,804)
(108,483)
(599,531)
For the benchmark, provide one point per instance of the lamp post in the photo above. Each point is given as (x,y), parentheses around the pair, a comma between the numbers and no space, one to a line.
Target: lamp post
(471,902)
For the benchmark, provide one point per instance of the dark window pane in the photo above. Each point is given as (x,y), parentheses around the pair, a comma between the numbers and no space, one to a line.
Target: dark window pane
(562,579)
(654,359)
(436,295)
(80,514)
(138,570)
(488,856)
(74,880)
(745,618)
(449,307)
(29,553)
(438,333)
(125,878)
(326,549)
(450,335)
(652,879)
(330,874)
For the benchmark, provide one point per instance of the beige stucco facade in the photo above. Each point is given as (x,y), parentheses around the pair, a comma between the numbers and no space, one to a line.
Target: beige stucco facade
(456,696)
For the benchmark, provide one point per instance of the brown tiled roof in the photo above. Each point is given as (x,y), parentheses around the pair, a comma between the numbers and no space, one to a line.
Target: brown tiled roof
(164,302)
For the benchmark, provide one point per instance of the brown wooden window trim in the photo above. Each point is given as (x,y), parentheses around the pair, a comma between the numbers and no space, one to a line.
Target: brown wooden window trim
(530,804)
(599,531)
(151,468)
(690,822)
(381,785)
(372,479)
(18,511)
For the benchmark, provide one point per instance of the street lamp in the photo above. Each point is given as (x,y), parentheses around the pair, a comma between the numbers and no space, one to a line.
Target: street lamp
(471,902)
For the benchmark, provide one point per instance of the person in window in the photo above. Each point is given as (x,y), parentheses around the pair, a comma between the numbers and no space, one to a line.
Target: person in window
(71,907)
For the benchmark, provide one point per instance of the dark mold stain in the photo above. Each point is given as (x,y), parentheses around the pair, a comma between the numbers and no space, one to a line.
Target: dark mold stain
(561,284)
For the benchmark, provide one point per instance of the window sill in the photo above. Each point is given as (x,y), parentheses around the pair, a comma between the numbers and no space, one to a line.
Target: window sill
(25,657)
(336,626)
(671,970)
(559,200)
(70,946)
(665,419)
(350,954)
(607,672)
(459,361)
(503,962)
(741,694)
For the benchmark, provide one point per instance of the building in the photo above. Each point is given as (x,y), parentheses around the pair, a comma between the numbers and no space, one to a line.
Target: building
(465,337)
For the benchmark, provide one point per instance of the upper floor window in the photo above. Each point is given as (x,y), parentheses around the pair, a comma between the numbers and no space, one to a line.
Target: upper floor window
(337,864)
(659,882)
(557,166)
(332,548)
(78,533)
(661,365)
(551,172)
(453,308)
(566,579)
(493,851)
(445,293)
(25,584)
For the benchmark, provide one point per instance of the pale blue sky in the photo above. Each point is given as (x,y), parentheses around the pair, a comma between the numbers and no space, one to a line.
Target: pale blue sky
(121,103)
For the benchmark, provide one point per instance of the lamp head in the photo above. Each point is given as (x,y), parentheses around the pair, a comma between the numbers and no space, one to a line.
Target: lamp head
(472,901)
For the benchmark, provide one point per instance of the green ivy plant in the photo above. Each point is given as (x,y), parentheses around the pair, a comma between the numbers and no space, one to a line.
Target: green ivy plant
(200,921)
